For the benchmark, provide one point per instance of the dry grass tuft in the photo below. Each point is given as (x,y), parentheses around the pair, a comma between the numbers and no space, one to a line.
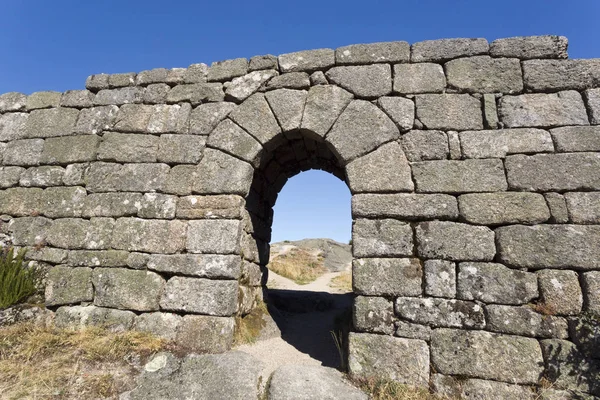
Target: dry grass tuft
(299,265)
(39,362)
(342,282)
(543,308)
(384,389)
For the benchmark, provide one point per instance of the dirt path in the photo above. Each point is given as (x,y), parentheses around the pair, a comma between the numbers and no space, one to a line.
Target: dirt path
(305,337)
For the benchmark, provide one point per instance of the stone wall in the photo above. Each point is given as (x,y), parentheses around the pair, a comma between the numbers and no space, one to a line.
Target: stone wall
(475,177)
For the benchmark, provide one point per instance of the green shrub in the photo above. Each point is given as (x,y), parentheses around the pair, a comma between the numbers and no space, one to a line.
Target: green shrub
(17,282)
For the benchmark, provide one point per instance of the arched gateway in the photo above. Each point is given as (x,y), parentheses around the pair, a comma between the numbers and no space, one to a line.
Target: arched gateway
(475,179)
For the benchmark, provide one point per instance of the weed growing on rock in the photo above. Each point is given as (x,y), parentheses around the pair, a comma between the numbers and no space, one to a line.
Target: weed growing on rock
(17,281)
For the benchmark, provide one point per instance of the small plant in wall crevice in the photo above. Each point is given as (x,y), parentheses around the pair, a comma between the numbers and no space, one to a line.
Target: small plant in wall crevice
(17,280)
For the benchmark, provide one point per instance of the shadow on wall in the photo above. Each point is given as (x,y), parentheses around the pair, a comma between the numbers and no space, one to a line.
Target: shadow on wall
(315,323)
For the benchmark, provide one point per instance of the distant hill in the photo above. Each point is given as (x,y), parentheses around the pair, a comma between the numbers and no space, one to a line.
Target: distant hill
(335,256)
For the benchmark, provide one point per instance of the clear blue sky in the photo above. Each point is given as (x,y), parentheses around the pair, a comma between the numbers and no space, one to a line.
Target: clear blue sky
(55,45)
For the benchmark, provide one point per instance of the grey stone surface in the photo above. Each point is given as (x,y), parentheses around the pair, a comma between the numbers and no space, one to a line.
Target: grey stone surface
(127,289)
(233,375)
(38,100)
(527,47)
(256,117)
(232,139)
(163,325)
(291,80)
(75,173)
(80,317)
(157,205)
(592,99)
(500,143)
(425,145)
(200,265)
(402,276)
(377,355)
(97,82)
(121,80)
(524,321)
(373,314)
(478,389)
(591,291)
(124,147)
(542,110)
(156,93)
(67,150)
(98,258)
(206,117)
(267,61)
(23,152)
(455,241)
(288,107)
(160,236)
(441,312)
(214,236)
(112,204)
(12,101)
(364,81)
(361,128)
(560,291)
(568,368)
(74,233)
(400,110)
(576,138)
(392,52)
(483,74)
(305,382)
(241,87)
(554,172)
(62,202)
(51,122)
(13,126)
(10,176)
(440,278)
(449,176)
(222,173)
(381,237)
(449,111)
(120,96)
(195,73)
(490,111)
(147,77)
(66,285)
(409,330)
(42,176)
(21,201)
(550,246)
(558,208)
(419,78)
(372,172)
(210,207)
(409,206)
(95,120)
(225,70)
(180,179)
(137,177)
(196,93)
(584,207)
(180,149)
(486,355)
(201,296)
(446,49)
(547,75)
(495,283)
(503,208)
(318,78)
(323,106)
(307,60)
(29,231)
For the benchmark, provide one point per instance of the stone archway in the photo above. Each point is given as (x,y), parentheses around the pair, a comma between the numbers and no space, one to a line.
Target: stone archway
(474,176)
